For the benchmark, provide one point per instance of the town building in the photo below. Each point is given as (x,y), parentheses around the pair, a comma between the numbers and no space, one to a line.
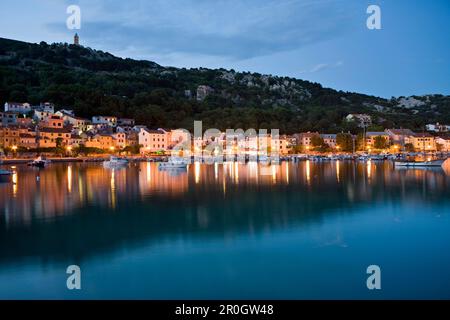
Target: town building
(45,106)
(153,140)
(363,120)
(330,140)
(8,118)
(280,145)
(78,123)
(400,137)
(41,115)
(438,127)
(9,136)
(51,136)
(371,138)
(305,139)
(443,144)
(423,142)
(17,107)
(125,122)
(101,141)
(105,120)
(120,140)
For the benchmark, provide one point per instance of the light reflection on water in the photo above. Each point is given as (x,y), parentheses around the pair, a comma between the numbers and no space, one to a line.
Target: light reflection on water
(308,211)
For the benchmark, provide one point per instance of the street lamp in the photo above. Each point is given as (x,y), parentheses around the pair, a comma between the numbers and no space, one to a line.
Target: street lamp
(111,148)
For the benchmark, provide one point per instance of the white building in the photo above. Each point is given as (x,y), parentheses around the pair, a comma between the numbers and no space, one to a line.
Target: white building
(329,139)
(17,107)
(76,122)
(153,140)
(438,127)
(363,120)
(106,120)
(41,115)
(444,143)
(46,106)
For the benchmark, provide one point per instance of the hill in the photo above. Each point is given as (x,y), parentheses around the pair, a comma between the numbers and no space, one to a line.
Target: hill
(93,82)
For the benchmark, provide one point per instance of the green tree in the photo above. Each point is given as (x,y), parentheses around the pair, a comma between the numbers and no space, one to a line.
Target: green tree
(345,142)
(409,147)
(380,142)
(59,142)
(317,141)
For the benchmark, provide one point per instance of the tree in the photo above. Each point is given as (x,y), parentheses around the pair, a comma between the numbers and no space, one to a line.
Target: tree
(345,142)
(59,142)
(409,147)
(380,142)
(317,141)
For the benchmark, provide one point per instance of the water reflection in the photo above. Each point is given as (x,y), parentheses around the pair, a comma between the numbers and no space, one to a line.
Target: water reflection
(219,199)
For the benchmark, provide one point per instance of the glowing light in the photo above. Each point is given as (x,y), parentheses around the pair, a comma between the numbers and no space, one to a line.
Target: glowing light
(15,186)
(369,169)
(274,174)
(113,189)
(308,171)
(197,171)
(216,170)
(236,172)
(149,172)
(287,172)
(69,148)
(69,179)
(338,169)
(14,148)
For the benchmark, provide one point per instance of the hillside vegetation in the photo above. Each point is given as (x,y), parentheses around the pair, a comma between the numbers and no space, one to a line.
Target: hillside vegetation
(93,82)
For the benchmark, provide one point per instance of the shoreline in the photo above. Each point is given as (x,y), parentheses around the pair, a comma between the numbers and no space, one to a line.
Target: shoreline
(206,159)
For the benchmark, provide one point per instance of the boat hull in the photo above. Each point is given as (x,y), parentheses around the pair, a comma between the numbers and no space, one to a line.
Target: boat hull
(435,163)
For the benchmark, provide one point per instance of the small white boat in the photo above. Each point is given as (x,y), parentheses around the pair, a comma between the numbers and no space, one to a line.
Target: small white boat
(39,162)
(174,163)
(430,163)
(115,162)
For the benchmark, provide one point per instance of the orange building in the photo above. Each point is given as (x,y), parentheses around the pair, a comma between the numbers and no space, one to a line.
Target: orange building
(49,137)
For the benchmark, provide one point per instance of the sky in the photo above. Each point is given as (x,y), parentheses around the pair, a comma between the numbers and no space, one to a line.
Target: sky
(324,41)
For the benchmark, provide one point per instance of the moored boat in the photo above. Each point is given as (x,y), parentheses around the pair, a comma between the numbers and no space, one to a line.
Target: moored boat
(174,163)
(428,163)
(39,162)
(115,162)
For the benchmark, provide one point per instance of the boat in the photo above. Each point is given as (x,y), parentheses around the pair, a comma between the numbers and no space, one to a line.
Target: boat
(5,175)
(428,163)
(174,163)
(39,162)
(115,162)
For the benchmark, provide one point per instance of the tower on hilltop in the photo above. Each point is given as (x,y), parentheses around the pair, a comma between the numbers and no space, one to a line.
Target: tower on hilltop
(76,39)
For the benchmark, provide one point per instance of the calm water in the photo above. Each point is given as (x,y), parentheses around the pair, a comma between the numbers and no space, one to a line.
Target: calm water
(294,231)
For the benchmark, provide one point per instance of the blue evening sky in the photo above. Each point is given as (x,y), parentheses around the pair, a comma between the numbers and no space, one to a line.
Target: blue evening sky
(324,41)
